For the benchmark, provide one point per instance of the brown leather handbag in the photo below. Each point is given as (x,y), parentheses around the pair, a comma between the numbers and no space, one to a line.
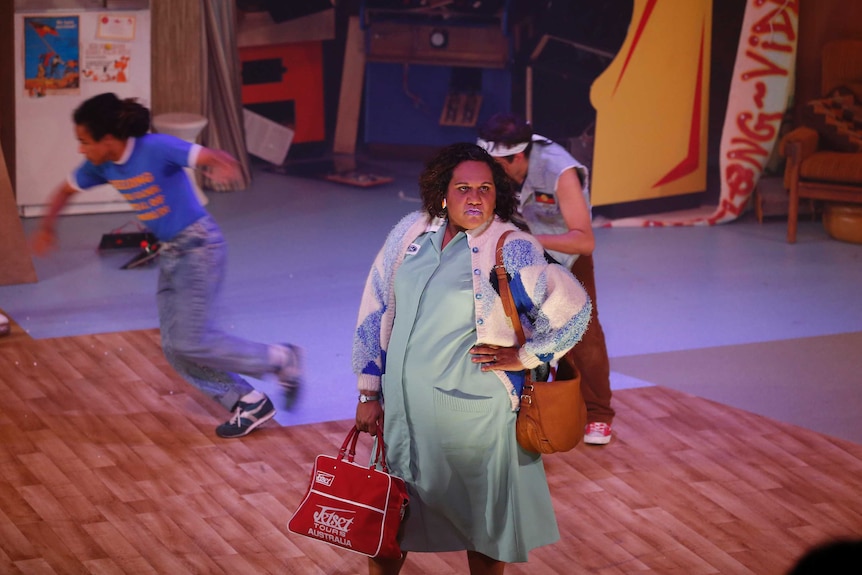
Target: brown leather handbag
(553,414)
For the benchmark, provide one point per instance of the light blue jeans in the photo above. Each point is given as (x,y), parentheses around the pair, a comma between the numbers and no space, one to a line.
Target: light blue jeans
(192,268)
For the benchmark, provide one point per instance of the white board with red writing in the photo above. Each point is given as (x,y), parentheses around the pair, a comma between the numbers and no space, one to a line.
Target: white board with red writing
(760,91)
(759,96)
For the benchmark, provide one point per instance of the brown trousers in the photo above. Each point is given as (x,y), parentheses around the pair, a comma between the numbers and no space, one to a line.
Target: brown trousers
(590,355)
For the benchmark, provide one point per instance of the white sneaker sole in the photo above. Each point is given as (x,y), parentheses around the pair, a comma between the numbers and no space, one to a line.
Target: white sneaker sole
(259,422)
(601,440)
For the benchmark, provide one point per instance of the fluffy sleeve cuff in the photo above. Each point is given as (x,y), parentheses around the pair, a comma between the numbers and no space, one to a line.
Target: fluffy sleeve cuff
(529,360)
(368,382)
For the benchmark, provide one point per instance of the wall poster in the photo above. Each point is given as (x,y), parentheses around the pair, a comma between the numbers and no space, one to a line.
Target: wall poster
(51,57)
(116,27)
(106,62)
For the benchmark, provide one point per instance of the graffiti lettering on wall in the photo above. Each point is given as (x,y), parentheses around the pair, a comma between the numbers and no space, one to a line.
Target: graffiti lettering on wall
(759,98)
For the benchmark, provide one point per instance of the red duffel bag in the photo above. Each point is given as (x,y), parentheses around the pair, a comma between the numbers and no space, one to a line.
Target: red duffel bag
(352,506)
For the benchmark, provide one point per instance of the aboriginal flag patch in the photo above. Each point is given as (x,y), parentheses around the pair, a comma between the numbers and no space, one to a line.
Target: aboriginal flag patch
(545,198)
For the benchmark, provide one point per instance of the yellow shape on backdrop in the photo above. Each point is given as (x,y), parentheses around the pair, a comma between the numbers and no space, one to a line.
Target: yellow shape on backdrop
(652,105)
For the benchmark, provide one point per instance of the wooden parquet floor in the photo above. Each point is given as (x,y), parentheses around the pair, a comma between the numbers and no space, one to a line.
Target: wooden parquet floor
(109,465)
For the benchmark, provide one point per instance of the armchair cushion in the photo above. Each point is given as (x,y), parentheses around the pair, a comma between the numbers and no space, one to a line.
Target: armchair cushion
(835,167)
(836,118)
(800,142)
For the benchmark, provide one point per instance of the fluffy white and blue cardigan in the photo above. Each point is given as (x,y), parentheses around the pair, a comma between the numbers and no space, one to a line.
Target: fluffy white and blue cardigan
(554,308)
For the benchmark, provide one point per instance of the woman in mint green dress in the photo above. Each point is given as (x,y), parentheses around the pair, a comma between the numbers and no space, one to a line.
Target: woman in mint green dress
(439,366)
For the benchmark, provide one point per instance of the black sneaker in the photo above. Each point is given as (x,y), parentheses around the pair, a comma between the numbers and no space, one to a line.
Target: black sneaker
(246,418)
(291,374)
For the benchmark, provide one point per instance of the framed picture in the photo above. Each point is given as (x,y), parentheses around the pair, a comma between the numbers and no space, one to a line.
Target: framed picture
(51,55)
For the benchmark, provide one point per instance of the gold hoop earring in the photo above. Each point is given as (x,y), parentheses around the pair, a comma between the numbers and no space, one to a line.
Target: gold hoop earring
(444,203)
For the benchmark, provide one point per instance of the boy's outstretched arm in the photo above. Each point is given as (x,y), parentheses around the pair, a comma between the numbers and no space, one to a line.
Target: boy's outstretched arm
(221,167)
(45,238)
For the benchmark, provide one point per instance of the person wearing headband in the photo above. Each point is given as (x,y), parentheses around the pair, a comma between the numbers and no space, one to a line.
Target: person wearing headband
(554,204)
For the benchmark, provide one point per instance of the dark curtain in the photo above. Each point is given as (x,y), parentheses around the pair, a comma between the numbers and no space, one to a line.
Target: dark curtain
(222,87)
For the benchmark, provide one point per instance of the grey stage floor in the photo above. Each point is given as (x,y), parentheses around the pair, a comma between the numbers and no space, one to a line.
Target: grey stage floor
(731,313)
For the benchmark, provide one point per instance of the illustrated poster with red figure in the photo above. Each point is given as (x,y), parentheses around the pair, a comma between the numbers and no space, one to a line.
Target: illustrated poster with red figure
(51,57)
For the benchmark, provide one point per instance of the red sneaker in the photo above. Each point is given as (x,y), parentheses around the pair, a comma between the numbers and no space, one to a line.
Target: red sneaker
(597,433)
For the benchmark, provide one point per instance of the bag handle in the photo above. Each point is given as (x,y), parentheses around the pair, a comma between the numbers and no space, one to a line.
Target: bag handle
(350,440)
(512,311)
(509,305)
(380,457)
(506,293)
(348,448)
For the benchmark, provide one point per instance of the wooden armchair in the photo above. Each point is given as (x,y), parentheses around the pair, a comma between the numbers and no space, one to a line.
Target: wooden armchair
(817,174)
(813,170)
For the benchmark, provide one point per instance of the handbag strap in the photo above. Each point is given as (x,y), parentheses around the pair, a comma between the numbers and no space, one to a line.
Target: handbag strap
(380,452)
(348,448)
(350,440)
(509,303)
(506,293)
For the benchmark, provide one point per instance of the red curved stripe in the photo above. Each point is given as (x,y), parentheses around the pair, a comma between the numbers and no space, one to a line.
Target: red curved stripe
(690,163)
(641,25)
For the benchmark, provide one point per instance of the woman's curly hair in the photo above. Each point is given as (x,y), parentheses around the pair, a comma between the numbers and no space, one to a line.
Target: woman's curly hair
(435,178)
